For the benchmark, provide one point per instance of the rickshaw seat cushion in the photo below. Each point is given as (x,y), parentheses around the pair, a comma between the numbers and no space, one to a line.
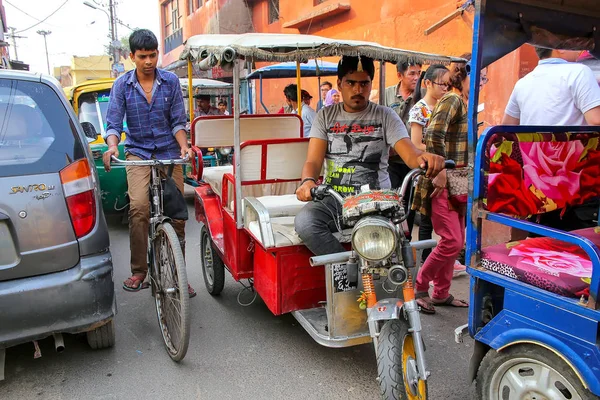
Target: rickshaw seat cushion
(545,262)
(285,234)
(214,177)
(528,177)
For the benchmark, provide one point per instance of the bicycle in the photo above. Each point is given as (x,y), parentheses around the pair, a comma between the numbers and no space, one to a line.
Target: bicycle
(166,265)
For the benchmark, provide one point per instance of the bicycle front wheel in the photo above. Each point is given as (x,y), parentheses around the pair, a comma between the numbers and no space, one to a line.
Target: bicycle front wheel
(171,292)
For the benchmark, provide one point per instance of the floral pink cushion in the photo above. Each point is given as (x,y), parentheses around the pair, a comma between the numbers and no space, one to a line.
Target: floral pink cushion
(527,177)
(547,263)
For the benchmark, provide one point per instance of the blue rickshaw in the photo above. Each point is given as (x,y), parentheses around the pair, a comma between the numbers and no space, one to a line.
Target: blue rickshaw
(533,302)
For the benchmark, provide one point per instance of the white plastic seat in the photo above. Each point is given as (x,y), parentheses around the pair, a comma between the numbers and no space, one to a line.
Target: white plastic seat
(214,177)
(284,233)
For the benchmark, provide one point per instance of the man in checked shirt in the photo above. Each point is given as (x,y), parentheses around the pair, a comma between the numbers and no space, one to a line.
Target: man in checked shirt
(152,102)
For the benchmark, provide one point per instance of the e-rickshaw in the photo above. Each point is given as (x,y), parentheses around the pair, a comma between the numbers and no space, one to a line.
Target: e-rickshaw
(212,88)
(534,302)
(248,210)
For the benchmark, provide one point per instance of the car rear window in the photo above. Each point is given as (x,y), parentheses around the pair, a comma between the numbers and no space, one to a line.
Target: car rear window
(36,134)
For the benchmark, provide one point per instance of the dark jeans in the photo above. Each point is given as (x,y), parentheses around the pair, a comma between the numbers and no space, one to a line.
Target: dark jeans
(315,225)
(397,173)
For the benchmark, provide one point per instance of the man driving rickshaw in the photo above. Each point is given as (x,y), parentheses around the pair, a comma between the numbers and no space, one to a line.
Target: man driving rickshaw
(354,137)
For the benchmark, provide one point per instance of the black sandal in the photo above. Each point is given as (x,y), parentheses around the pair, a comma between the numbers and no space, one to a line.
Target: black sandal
(429,309)
(449,302)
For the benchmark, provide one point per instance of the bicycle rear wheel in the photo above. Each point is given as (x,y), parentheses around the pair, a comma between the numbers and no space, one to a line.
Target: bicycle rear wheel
(171,291)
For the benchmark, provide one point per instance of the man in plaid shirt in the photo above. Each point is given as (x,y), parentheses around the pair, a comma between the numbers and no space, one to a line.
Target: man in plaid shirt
(152,101)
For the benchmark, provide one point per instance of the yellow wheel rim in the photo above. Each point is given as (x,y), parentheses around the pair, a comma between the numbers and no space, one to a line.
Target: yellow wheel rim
(408,350)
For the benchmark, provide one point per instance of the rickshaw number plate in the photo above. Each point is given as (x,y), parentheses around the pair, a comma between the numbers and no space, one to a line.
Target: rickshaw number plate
(339,273)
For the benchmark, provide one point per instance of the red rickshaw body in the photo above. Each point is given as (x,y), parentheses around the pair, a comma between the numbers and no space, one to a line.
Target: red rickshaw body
(266,248)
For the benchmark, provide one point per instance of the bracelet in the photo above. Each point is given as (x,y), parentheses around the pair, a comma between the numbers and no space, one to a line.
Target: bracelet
(308,179)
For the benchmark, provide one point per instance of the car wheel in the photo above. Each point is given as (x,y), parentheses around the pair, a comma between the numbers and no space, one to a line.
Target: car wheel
(102,337)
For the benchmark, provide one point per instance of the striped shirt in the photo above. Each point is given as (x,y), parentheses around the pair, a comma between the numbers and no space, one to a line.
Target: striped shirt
(152,126)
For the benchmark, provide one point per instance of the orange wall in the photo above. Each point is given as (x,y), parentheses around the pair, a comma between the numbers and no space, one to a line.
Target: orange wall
(395,23)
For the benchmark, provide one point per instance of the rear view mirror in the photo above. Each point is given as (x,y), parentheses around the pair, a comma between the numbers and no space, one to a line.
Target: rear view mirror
(89,130)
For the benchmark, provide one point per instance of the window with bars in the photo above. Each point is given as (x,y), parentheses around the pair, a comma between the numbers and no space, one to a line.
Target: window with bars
(273,11)
(200,3)
(172,17)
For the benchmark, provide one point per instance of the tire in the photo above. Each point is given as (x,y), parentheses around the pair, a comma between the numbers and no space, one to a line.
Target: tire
(213,268)
(102,337)
(171,292)
(527,363)
(394,350)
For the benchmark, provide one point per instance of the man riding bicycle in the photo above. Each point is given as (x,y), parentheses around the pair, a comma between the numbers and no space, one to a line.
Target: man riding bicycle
(151,100)
(353,138)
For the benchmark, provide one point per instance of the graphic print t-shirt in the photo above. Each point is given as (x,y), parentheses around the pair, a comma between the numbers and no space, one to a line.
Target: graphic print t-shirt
(358,145)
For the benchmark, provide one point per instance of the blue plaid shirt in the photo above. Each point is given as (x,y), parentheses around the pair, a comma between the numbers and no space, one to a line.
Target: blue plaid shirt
(152,126)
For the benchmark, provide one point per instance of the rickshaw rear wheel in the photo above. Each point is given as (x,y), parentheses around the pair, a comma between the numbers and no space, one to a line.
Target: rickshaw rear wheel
(396,364)
(528,370)
(213,268)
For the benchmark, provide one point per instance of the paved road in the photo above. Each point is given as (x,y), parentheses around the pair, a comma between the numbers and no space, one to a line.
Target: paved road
(235,352)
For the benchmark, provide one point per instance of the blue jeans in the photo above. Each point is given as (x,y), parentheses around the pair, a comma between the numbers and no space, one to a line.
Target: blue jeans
(315,225)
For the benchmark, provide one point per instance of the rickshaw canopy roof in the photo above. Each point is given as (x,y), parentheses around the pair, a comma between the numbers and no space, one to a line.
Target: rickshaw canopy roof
(564,24)
(295,47)
(288,70)
(207,86)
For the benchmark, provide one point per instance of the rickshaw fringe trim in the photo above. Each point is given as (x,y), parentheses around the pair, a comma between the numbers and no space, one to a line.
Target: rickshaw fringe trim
(304,55)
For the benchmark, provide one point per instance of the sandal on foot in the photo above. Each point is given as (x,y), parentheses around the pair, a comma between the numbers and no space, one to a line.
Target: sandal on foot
(135,283)
(426,307)
(450,302)
(191,292)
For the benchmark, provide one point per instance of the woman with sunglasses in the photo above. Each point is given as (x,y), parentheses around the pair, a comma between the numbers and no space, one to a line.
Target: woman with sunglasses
(447,136)
(435,80)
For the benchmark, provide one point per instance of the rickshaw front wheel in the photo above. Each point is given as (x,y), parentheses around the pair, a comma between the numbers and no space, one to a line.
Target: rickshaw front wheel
(213,268)
(528,371)
(396,364)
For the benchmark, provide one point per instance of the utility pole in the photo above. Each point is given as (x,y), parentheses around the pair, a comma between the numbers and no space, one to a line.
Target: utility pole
(112,27)
(113,33)
(14,40)
(44,34)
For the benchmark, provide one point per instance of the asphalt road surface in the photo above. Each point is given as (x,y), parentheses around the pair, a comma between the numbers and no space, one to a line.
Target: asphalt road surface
(235,352)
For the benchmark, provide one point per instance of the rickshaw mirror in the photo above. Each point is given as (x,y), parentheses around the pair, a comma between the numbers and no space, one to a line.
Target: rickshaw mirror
(89,130)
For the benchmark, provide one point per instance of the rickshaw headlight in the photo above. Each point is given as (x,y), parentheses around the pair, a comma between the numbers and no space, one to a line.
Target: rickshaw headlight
(225,151)
(374,238)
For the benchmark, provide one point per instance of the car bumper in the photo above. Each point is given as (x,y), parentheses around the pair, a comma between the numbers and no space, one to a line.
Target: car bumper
(72,301)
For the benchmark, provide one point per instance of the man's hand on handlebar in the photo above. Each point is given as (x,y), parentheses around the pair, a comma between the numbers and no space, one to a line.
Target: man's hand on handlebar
(187,152)
(113,150)
(432,162)
(303,192)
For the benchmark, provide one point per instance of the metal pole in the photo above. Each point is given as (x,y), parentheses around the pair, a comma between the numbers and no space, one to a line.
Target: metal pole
(113,36)
(44,34)
(237,144)
(299,83)
(382,83)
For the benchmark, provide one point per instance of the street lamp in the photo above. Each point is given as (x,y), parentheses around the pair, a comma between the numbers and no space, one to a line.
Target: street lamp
(44,34)
(113,31)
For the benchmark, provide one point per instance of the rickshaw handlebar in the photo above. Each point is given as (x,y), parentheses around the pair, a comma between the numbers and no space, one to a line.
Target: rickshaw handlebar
(150,162)
(319,192)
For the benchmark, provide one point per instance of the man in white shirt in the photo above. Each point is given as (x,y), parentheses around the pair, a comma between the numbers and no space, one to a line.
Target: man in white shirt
(308,114)
(557,92)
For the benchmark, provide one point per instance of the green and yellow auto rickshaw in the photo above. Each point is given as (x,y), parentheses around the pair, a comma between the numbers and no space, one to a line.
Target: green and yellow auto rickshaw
(90,102)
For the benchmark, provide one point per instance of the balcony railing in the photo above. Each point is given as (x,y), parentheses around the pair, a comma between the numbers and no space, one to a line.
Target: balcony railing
(174,40)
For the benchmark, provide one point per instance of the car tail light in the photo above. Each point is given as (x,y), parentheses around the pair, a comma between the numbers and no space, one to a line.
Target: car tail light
(78,187)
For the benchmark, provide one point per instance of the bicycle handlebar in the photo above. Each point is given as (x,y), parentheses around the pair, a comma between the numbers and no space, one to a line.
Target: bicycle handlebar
(150,162)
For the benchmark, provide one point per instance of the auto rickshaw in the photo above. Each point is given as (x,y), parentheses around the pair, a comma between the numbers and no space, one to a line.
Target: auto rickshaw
(247,211)
(90,103)
(534,302)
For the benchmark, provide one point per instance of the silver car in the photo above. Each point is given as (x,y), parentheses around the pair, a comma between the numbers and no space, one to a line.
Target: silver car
(56,273)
